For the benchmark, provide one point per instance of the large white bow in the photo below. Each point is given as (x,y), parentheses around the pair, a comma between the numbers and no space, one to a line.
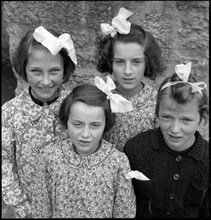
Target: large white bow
(119,24)
(183,71)
(117,102)
(55,44)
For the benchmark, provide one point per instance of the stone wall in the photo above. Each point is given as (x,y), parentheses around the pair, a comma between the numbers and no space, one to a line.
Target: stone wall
(181,28)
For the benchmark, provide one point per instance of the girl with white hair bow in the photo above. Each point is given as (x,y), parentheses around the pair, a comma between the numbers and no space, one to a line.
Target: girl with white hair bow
(44,60)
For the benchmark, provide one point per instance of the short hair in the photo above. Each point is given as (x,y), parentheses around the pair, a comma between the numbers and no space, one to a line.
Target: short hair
(90,95)
(152,51)
(20,56)
(182,93)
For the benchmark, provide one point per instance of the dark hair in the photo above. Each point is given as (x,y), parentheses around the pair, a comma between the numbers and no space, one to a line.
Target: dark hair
(152,51)
(182,93)
(90,95)
(20,56)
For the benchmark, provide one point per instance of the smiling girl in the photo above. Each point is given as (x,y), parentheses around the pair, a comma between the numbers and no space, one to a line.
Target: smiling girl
(45,61)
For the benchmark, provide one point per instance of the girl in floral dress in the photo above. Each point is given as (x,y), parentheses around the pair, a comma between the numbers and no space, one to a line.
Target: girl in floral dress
(45,61)
(83,176)
(130,53)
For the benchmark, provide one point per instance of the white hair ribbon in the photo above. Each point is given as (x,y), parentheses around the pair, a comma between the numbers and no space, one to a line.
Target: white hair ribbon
(183,72)
(119,24)
(55,44)
(117,102)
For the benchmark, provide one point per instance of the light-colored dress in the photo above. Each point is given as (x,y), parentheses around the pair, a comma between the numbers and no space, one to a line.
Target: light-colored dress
(26,127)
(140,119)
(74,186)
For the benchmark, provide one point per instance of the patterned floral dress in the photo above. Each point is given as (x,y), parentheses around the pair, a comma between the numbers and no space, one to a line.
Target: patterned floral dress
(140,119)
(26,126)
(75,186)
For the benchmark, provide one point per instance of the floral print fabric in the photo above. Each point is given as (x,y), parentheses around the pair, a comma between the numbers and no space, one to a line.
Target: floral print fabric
(74,186)
(140,119)
(26,127)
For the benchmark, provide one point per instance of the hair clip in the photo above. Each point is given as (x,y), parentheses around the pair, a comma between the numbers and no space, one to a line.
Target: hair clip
(183,72)
(117,102)
(55,44)
(119,24)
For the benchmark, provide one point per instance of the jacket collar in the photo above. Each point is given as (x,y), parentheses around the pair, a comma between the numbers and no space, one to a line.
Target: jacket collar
(196,151)
(92,160)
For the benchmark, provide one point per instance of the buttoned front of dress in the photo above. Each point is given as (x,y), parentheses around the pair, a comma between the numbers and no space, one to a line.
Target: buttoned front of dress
(178,185)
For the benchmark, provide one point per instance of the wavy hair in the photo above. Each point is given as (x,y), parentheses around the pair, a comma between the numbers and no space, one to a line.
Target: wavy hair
(152,50)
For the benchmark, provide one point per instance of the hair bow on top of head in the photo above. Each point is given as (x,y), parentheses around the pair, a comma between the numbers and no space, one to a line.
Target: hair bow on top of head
(55,44)
(119,24)
(117,102)
(183,71)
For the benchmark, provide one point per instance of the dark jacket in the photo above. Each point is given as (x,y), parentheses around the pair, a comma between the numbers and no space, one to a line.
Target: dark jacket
(178,185)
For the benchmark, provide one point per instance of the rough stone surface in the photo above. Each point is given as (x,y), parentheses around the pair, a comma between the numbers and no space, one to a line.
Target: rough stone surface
(181,28)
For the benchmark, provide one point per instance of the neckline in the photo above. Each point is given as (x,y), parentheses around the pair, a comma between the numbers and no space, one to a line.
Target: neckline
(38,102)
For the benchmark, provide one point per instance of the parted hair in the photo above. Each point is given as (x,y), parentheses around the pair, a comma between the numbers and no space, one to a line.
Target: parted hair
(152,50)
(20,56)
(90,95)
(182,94)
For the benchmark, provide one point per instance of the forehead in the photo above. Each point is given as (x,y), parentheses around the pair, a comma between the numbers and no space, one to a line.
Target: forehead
(169,104)
(128,49)
(84,112)
(38,55)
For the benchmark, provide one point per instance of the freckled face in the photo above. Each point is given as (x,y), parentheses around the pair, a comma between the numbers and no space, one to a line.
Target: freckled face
(178,123)
(85,127)
(45,74)
(128,67)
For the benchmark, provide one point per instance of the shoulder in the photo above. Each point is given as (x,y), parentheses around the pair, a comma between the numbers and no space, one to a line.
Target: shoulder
(139,142)
(114,153)
(142,136)
(17,102)
(148,89)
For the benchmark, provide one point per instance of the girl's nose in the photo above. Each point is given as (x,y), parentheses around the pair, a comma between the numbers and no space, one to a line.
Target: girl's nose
(128,69)
(175,127)
(85,132)
(46,80)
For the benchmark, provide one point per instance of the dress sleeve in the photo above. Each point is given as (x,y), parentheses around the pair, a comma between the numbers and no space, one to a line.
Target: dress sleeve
(125,201)
(42,199)
(12,192)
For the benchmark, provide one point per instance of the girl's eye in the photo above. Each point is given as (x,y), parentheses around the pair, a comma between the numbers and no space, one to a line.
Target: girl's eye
(187,119)
(35,70)
(118,61)
(77,124)
(166,117)
(95,125)
(55,70)
(137,61)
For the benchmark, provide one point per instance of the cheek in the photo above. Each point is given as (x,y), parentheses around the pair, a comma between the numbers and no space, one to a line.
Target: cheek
(164,126)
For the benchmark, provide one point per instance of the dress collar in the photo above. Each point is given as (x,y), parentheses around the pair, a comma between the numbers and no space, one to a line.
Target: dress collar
(196,151)
(34,110)
(37,101)
(92,160)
